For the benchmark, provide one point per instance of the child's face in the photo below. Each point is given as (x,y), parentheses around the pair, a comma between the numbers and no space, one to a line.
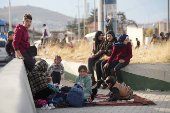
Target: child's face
(100,37)
(11,37)
(57,60)
(109,85)
(82,73)
(109,37)
(126,41)
(27,23)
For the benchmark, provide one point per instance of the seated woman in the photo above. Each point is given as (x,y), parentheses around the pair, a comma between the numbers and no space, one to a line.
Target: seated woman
(120,57)
(38,81)
(97,44)
(105,52)
(85,82)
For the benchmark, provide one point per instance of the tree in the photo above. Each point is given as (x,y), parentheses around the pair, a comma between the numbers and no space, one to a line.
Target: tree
(73,25)
(122,23)
(90,19)
(148,32)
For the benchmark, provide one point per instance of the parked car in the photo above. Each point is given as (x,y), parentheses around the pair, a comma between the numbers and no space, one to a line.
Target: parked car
(3,53)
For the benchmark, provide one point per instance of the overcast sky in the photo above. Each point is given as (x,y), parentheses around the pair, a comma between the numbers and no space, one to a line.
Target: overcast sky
(142,11)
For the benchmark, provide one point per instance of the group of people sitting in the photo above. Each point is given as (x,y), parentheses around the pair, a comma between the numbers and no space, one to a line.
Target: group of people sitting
(107,54)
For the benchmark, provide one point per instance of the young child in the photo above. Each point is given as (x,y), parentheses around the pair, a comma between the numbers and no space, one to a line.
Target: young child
(117,91)
(84,80)
(9,48)
(120,57)
(57,68)
(51,86)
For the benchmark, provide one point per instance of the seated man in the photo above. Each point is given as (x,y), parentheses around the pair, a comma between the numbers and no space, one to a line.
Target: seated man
(117,91)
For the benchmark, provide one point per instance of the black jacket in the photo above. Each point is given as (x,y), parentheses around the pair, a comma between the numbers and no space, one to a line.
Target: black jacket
(9,48)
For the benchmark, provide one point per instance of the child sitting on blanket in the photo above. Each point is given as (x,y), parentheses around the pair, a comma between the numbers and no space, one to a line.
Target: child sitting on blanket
(53,87)
(117,91)
(84,80)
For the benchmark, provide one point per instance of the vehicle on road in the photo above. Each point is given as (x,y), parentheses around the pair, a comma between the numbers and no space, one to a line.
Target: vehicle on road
(3,54)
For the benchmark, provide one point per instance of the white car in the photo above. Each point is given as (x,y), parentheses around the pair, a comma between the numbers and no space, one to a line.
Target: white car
(3,53)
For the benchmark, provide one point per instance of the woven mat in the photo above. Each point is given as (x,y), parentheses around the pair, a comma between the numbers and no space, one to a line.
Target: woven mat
(100,100)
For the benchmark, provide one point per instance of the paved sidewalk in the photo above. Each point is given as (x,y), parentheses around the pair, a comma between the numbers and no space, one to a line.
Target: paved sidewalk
(162,99)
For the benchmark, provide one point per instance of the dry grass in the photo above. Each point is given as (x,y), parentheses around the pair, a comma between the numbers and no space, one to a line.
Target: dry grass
(81,51)
(153,54)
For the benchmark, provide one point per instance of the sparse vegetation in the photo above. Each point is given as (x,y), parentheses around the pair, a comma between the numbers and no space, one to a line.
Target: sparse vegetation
(81,51)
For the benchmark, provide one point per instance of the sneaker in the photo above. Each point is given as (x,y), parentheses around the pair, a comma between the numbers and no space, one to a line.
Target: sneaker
(52,106)
(45,107)
(89,100)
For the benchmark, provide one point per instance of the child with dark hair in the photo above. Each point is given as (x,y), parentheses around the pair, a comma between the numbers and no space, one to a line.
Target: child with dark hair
(120,57)
(21,42)
(117,91)
(57,68)
(84,80)
(9,48)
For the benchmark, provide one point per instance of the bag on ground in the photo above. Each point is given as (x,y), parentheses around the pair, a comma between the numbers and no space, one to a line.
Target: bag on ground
(75,96)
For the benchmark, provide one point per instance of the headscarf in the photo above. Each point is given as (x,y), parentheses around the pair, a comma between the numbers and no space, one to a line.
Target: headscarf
(120,40)
(37,77)
(107,43)
(97,41)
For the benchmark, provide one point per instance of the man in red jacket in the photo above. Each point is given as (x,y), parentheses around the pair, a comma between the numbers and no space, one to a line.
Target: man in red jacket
(21,44)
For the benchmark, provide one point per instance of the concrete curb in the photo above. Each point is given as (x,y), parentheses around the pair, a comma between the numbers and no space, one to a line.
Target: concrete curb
(15,92)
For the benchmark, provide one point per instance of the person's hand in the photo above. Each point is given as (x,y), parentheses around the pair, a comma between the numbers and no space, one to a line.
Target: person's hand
(56,85)
(106,65)
(21,57)
(121,61)
(92,56)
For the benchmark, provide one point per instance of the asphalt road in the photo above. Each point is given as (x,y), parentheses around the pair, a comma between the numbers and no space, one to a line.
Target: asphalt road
(2,64)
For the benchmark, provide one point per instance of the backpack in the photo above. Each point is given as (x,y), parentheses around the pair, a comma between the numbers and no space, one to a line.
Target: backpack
(75,96)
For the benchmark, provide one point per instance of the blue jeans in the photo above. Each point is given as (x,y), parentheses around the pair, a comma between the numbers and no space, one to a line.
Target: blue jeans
(56,77)
(117,66)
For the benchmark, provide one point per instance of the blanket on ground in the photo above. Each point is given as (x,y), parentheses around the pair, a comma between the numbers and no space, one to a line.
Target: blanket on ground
(100,100)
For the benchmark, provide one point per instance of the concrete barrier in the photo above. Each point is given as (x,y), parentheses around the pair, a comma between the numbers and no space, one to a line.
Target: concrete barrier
(143,76)
(15,92)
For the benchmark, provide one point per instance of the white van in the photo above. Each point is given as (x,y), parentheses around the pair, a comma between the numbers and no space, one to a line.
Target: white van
(3,53)
(90,36)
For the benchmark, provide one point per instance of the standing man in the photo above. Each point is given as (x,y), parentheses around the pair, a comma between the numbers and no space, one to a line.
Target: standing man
(21,44)
(138,43)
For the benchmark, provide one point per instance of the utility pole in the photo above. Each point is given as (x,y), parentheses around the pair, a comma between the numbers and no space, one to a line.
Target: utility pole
(94,17)
(84,16)
(168,17)
(100,15)
(104,15)
(78,22)
(10,23)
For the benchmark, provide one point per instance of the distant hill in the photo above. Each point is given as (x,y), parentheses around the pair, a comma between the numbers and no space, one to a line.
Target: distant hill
(54,20)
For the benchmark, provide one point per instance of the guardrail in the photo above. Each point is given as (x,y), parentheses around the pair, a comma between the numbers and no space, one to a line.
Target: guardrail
(15,92)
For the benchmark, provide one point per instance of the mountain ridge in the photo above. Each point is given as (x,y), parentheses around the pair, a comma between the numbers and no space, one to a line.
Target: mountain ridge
(53,20)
